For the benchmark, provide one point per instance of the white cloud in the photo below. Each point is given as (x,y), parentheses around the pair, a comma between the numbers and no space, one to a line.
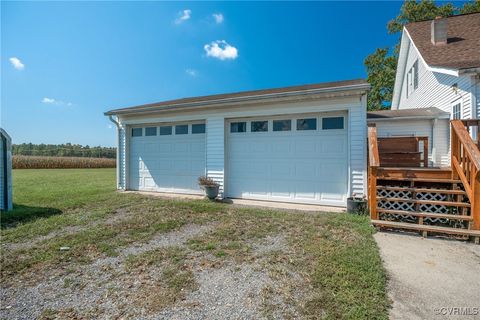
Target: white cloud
(218,17)
(48,100)
(53,101)
(183,16)
(16,63)
(191,72)
(220,49)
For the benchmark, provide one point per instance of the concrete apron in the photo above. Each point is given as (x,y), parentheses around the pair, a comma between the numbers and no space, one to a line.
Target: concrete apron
(245,202)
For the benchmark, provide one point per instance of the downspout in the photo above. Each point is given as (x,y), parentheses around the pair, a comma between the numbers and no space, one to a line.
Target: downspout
(118,149)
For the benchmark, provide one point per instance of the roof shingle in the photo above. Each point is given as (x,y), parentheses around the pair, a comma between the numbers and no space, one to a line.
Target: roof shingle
(462,50)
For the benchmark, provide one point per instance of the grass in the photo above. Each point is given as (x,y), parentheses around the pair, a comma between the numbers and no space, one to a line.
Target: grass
(338,268)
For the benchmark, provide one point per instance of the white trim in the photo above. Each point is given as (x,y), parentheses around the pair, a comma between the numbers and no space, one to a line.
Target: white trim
(454,103)
(452,72)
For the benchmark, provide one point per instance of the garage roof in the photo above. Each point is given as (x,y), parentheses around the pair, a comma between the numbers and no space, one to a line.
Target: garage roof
(338,86)
(422,113)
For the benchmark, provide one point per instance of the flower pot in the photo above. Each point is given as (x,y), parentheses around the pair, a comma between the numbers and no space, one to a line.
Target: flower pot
(355,205)
(211,191)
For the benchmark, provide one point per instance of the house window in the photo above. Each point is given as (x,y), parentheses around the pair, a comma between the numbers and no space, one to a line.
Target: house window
(457,110)
(151,131)
(181,129)
(259,126)
(136,132)
(412,78)
(307,124)
(238,127)
(282,125)
(198,128)
(332,123)
(166,130)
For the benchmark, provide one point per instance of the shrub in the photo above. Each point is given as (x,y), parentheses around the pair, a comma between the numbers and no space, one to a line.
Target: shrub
(37,162)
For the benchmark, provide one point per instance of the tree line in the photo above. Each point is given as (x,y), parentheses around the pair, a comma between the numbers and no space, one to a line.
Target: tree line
(63,150)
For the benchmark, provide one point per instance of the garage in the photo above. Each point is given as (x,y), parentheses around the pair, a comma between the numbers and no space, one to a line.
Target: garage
(301,159)
(167,157)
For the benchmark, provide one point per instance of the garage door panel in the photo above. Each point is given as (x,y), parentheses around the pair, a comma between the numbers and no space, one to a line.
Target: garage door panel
(308,166)
(167,163)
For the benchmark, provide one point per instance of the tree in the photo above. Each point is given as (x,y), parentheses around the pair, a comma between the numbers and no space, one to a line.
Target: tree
(381,65)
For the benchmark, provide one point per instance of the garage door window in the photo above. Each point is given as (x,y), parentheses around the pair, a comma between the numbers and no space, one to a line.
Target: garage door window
(238,127)
(332,123)
(307,124)
(151,131)
(181,129)
(198,128)
(165,131)
(259,126)
(136,132)
(282,125)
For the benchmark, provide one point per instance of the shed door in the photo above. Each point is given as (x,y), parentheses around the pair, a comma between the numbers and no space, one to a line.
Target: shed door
(302,159)
(167,158)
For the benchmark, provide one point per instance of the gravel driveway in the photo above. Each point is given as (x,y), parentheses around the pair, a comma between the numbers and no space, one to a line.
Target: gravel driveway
(431,278)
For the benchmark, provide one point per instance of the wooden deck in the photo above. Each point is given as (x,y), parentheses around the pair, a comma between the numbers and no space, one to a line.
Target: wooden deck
(405,193)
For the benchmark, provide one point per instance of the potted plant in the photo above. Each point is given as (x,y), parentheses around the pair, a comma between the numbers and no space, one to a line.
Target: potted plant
(357,204)
(210,187)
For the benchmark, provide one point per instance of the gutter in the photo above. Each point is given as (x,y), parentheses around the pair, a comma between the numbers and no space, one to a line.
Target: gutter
(408,118)
(118,149)
(216,102)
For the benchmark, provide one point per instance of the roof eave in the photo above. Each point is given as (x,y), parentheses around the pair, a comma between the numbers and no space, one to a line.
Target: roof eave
(360,88)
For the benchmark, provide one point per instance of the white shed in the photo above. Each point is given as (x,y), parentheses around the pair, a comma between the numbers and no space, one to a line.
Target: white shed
(302,144)
(5,171)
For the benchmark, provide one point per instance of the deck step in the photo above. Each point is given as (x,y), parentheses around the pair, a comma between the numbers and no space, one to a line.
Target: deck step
(426,214)
(419,190)
(434,202)
(424,227)
(449,181)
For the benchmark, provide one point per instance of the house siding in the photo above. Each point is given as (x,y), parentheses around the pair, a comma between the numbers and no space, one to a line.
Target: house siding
(215,146)
(6,202)
(121,162)
(215,133)
(435,89)
(358,148)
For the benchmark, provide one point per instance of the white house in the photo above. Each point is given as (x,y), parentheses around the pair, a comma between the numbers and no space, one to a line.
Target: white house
(5,171)
(301,144)
(439,66)
(437,79)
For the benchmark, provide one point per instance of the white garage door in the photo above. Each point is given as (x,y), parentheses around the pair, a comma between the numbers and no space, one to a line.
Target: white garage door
(302,159)
(167,158)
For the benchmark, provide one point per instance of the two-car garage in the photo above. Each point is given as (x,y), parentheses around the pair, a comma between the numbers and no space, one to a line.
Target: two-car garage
(300,144)
(300,158)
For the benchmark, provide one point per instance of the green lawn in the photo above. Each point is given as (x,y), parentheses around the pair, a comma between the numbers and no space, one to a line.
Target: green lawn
(335,254)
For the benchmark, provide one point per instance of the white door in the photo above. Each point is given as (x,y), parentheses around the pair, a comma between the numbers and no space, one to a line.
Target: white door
(302,159)
(167,157)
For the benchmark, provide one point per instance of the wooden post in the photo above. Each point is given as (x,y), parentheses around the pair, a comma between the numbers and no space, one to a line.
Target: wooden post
(372,193)
(475,202)
(425,152)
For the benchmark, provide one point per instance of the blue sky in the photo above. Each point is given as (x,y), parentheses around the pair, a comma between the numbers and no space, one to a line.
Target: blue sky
(64,63)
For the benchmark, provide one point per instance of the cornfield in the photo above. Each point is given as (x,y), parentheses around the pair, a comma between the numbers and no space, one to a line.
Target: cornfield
(35,162)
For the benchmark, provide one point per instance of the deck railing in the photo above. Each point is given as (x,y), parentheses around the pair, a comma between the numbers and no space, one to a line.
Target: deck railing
(465,158)
(473,128)
(373,164)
